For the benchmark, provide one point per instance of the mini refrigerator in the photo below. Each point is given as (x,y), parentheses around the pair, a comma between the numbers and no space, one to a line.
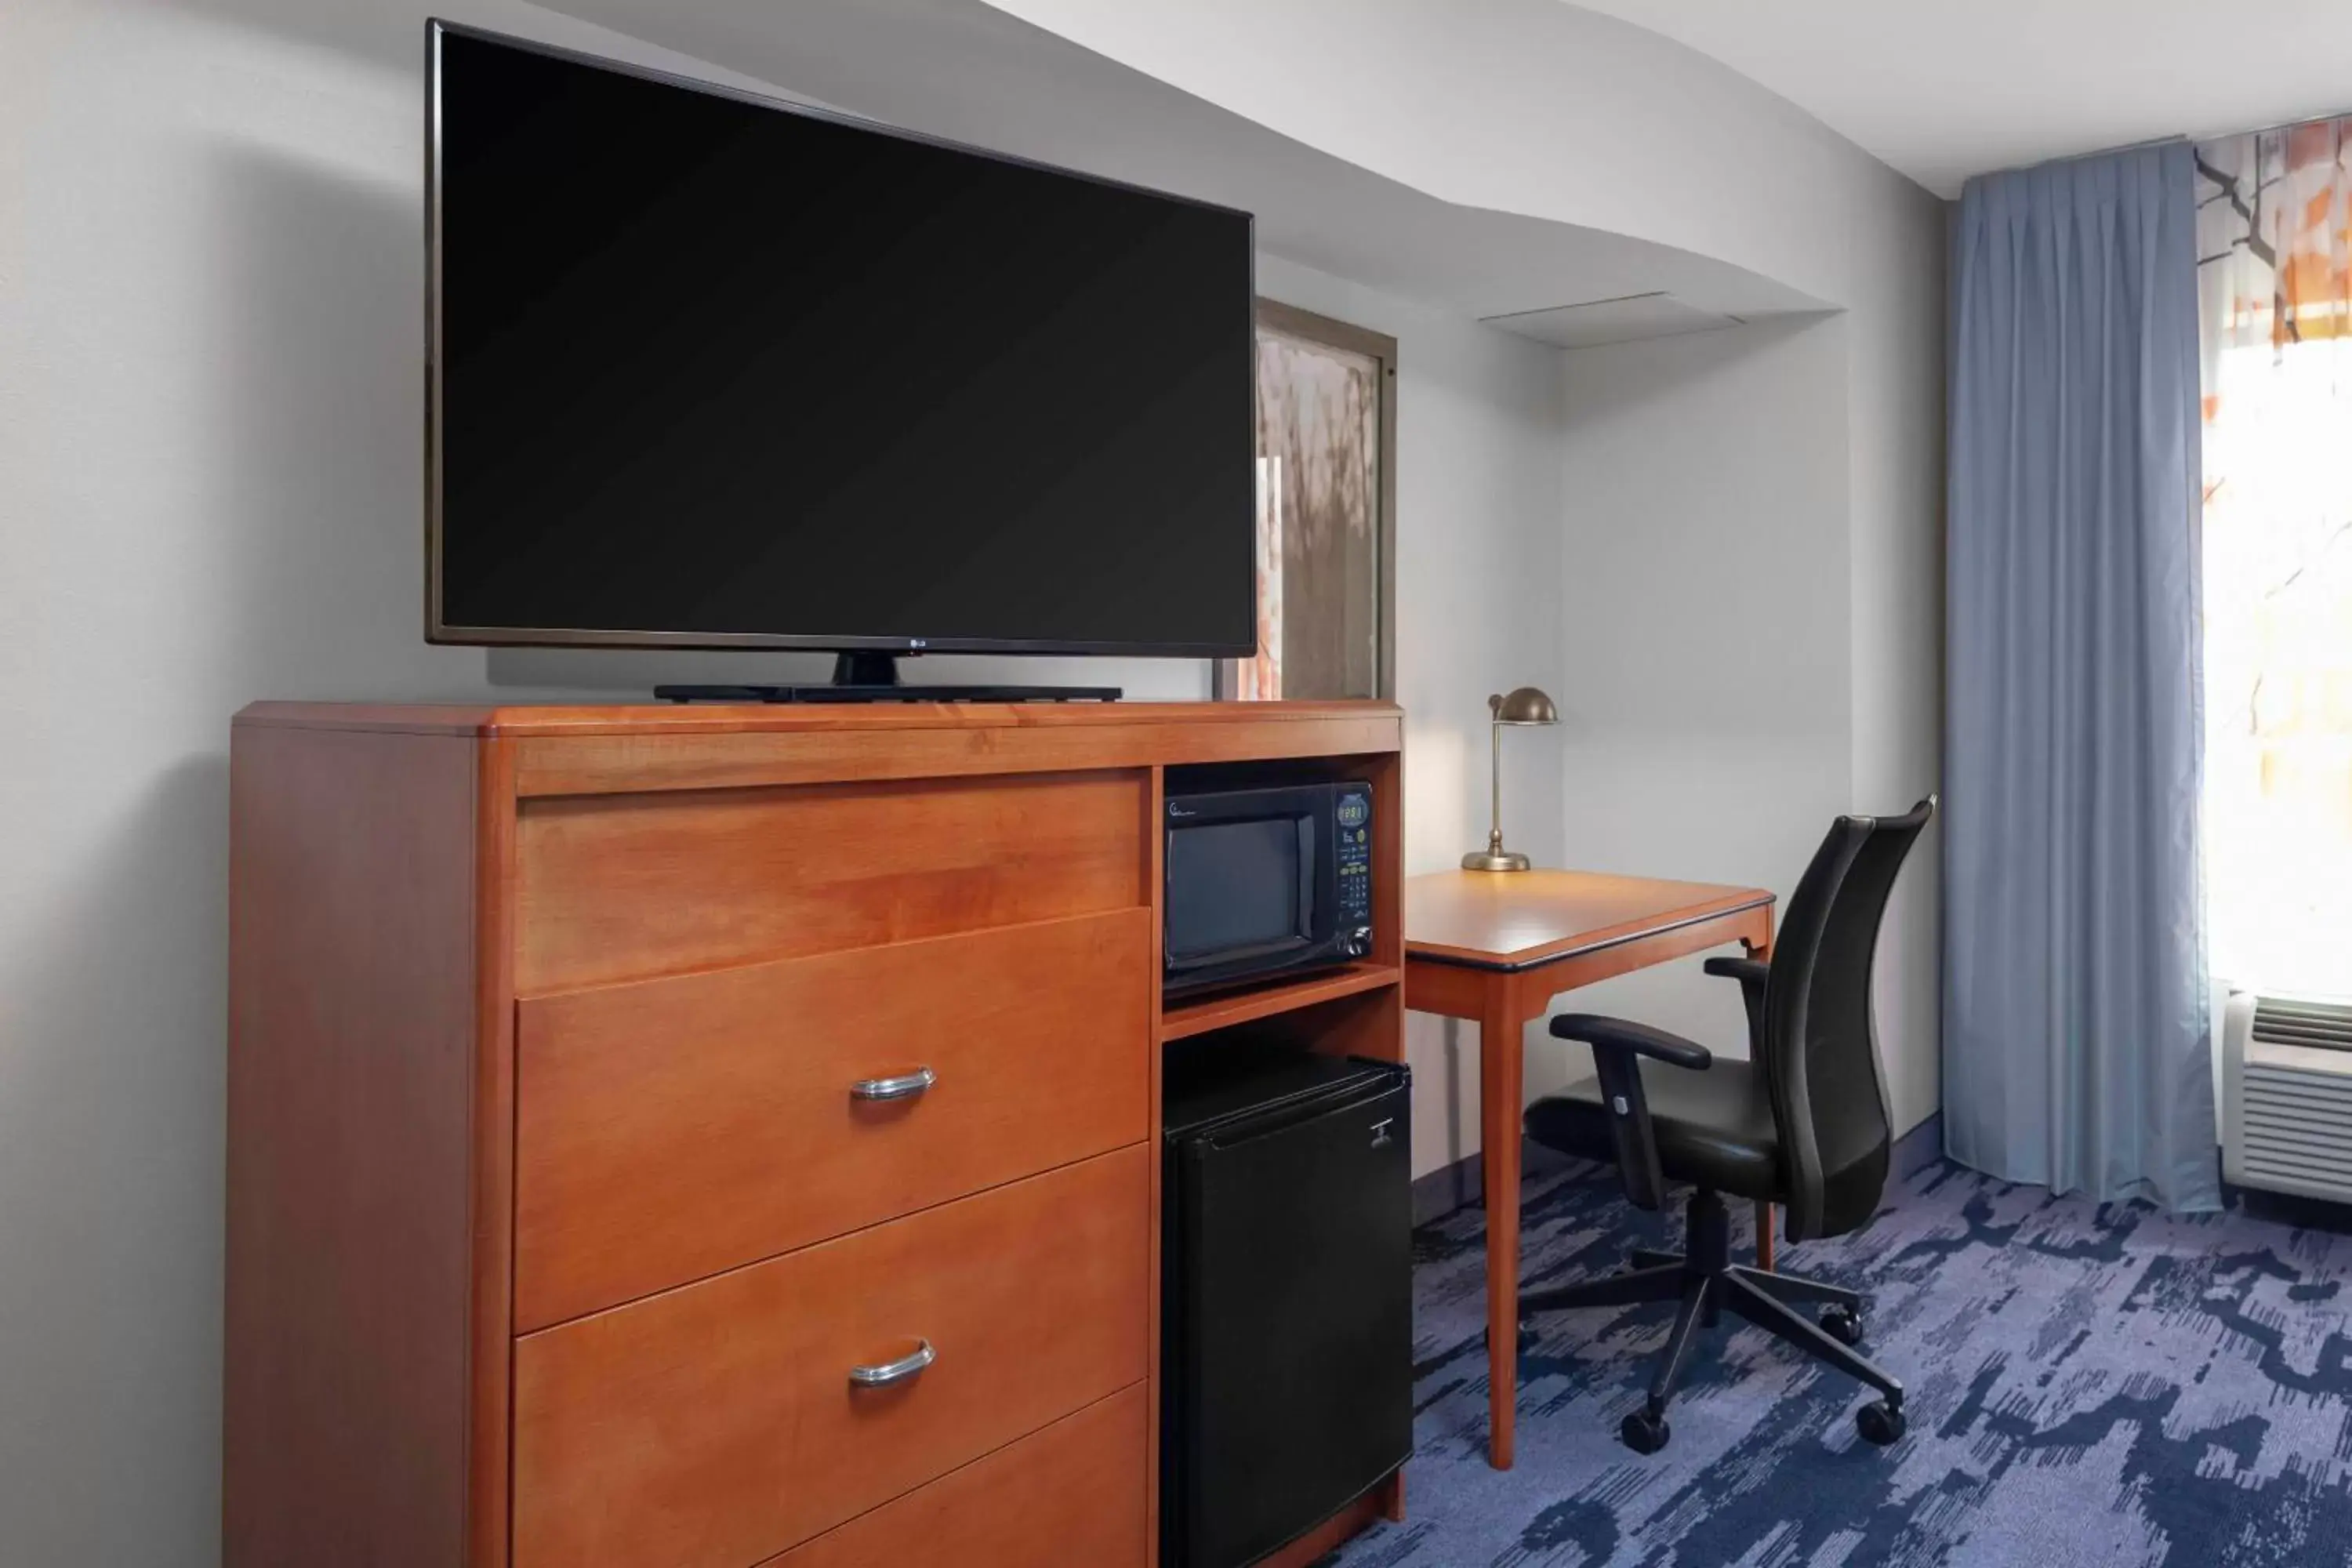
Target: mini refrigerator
(1286,1295)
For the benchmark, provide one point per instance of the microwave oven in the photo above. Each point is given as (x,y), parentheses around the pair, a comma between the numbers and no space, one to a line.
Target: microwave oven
(1264,881)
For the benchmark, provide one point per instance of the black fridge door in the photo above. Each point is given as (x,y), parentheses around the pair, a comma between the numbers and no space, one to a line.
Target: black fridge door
(1293,1307)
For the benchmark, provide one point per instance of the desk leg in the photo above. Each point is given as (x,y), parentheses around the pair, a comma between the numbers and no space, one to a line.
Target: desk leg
(1500,1075)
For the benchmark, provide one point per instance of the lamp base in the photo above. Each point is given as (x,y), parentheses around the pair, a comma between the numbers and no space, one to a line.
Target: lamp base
(1495,860)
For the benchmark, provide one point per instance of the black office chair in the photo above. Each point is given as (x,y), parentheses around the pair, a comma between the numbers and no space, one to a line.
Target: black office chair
(1803,1123)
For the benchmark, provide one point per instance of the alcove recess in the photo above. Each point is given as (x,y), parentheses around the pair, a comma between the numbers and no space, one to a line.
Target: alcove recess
(1356,1008)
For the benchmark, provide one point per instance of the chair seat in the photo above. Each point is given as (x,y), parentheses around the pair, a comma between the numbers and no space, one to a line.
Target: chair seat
(1714,1129)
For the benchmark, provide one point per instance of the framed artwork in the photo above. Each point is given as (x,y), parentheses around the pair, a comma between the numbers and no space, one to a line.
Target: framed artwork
(1325,511)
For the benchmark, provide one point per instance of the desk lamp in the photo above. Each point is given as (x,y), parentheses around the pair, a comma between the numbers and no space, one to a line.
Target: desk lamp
(1525,706)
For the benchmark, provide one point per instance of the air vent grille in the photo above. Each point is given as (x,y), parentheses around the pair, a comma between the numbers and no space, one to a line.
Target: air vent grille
(1627,319)
(2286,1100)
(2322,1026)
(2297,1131)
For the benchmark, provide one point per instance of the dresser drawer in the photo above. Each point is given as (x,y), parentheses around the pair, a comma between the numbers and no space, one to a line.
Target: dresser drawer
(718,1425)
(670,1129)
(623,886)
(1070,1494)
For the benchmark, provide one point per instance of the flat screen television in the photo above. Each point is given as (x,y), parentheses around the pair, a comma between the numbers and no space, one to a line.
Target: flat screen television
(708,370)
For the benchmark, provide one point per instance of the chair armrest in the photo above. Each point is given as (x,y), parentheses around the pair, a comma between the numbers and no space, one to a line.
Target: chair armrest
(1615,1043)
(1752,974)
(1624,1035)
(1746,971)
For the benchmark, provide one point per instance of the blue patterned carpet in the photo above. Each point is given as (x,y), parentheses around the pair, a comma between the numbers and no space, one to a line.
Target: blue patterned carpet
(2087,1385)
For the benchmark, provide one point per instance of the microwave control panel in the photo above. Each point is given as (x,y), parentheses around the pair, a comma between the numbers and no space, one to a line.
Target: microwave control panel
(1352,818)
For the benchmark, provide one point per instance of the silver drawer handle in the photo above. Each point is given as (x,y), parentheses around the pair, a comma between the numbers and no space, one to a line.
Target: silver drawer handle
(891,1372)
(905,1086)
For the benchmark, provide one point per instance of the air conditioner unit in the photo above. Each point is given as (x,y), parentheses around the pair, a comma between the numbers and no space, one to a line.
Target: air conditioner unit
(2286,1095)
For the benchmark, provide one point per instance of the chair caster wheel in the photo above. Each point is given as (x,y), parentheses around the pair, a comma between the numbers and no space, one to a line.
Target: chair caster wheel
(1842,1324)
(1644,1433)
(1879,1423)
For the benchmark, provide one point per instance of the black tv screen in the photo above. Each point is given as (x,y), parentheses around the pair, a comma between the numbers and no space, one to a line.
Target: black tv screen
(709,370)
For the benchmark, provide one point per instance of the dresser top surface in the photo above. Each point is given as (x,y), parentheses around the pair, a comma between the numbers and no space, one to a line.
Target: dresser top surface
(556,720)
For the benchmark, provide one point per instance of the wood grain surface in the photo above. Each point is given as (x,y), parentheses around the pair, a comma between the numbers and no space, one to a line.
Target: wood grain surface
(1515,919)
(1072,1493)
(349,1424)
(706,911)
(670,1129)
(625,887)
(716,1425)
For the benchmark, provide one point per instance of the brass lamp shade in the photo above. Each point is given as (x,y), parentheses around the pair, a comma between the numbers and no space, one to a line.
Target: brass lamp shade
(1525,706)
(1528,705)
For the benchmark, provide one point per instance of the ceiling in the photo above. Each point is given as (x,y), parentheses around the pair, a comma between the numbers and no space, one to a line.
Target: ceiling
(1946,88)
(965,70)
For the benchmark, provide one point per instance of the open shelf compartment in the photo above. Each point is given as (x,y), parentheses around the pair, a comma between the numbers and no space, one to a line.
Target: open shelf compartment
(1219,1009)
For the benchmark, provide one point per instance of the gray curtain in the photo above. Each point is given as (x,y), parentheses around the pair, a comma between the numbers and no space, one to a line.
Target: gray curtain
(2076,1043)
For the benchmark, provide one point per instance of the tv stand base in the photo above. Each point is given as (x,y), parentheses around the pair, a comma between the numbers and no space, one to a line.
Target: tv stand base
(826,693)
(863,676)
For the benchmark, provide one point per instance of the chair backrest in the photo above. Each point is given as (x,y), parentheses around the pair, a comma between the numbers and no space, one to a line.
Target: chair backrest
(1821,1042)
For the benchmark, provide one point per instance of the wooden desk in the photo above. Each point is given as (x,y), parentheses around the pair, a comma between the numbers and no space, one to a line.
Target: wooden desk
(1496,948)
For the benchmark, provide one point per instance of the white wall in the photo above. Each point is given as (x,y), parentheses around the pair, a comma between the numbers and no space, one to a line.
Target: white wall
(1791,629)
(1753,621)
(1479,554)
(1894,392)
(1705,705)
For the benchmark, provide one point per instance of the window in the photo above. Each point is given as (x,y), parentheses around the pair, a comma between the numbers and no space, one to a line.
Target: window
(2275,239)
(1326,510)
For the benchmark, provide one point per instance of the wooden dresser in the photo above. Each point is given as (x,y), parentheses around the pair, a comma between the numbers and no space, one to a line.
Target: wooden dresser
(714,1137)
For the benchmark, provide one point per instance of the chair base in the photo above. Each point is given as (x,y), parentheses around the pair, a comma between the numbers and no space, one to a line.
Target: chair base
(1707,1282)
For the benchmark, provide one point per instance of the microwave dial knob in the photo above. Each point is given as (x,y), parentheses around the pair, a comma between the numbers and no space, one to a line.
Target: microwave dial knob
(1359,941)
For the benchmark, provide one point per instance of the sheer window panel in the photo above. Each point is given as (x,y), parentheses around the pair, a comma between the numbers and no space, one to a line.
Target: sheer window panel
(2275,271)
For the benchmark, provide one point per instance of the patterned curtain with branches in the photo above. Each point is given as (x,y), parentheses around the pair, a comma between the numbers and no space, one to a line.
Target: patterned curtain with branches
(2275,246)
